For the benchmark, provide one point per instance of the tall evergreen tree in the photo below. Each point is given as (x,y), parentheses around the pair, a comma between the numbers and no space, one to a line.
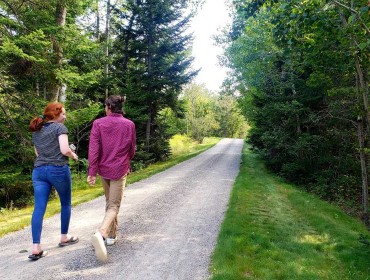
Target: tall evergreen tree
(42,53)
(152,63)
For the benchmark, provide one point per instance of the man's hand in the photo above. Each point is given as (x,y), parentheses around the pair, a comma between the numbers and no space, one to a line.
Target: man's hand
(91,180)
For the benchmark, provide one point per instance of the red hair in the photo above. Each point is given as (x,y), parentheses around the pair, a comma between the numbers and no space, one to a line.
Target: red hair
(51,112)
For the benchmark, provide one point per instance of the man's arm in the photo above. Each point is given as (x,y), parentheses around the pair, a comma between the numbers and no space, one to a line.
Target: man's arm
(94,149)
(133,142)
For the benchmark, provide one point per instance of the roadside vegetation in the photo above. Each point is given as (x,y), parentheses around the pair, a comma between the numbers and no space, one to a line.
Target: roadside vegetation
(80,52)
(298,83)
(274,230)
(183,148)
(301,69)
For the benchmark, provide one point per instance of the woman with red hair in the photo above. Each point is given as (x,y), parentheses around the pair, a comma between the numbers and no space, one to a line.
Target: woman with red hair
(51,169)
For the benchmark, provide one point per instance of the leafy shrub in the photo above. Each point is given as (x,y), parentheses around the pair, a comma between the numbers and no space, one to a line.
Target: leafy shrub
(15,190)
(180,143)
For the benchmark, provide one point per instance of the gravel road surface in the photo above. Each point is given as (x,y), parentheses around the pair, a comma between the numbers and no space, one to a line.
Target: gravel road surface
(168,227)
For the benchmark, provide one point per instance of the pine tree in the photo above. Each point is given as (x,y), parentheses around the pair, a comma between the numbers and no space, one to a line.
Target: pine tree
(152,64)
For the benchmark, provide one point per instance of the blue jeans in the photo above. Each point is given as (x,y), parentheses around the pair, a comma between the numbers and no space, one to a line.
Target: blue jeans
(43,179)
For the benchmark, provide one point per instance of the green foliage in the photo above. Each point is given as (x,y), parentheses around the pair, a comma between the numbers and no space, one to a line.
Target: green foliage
(41,58)
(232,123)
(30,50)
(145,57)
(174,120)
(180,144)
(79,123)
(294,65)
(15,190)
(200,112)
(151,64)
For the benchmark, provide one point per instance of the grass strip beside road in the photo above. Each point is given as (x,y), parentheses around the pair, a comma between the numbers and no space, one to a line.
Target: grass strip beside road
(273,230)
(16,219)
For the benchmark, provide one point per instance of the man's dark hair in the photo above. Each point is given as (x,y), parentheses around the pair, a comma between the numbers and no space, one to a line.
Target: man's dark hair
(115,103)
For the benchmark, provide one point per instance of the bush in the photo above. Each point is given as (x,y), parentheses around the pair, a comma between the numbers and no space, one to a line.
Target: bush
(180,143)
(15,190)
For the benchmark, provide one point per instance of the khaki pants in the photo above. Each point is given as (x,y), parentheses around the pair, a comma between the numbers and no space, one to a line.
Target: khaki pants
(113,190)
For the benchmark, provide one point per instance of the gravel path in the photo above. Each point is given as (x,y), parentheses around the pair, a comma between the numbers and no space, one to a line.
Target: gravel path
(168,227)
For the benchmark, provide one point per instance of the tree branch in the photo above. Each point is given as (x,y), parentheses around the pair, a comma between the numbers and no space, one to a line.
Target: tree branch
(10,8)
(355,12)
(16,128)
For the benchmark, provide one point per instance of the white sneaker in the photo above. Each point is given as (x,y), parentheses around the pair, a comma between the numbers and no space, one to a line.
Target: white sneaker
(111,241)
(100,250)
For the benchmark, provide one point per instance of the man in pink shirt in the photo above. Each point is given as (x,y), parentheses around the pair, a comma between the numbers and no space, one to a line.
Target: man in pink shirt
(112,146)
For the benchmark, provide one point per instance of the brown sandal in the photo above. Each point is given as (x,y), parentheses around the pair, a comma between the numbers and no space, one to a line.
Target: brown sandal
(35,257)
(71,241)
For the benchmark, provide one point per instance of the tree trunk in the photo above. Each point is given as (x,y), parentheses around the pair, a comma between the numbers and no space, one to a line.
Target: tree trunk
(126,42)
(364,89)
(97,14)
(150,42)
(61,12)
(106,68)
(44,91)
(62,93)
(365,190)
(37,87)
(294,92)
(363,125)
(148,128)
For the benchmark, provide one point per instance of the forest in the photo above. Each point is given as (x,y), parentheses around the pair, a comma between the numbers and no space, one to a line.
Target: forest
(297,87)
(79,52)
(301,69)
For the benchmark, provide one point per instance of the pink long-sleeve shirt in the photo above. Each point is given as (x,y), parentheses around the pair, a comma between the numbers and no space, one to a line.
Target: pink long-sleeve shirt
(112,146)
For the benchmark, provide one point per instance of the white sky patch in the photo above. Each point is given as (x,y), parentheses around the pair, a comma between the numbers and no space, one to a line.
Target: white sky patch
(208,22)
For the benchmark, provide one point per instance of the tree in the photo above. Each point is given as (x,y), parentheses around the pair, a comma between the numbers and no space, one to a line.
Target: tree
(41,49)
(200,113)
(232,123)
(152,62)
(298,69)
(362,85)
(39,39)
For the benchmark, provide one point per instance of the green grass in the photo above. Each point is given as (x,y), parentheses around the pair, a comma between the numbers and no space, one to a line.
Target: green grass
(16,219)
(272,230)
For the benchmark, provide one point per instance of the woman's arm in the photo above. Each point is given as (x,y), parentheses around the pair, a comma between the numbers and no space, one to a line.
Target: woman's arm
(64,148)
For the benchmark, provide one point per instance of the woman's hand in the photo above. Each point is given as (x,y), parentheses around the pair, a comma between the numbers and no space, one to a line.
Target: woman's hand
(74,156)
(65,148)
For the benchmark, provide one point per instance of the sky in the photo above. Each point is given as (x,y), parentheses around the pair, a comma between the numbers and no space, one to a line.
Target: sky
(207,23)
